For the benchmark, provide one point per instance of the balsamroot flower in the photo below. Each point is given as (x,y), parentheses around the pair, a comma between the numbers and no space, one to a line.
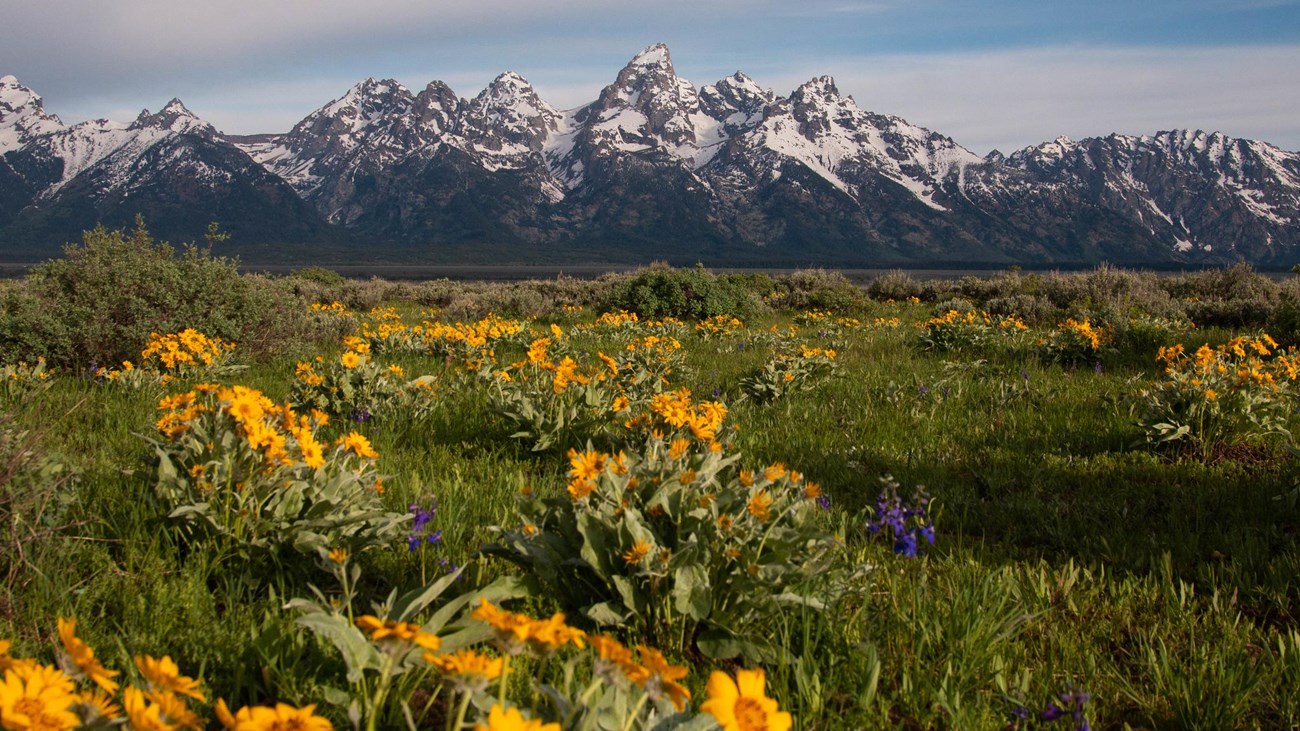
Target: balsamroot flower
(83,657)
(511,719)
(742,704)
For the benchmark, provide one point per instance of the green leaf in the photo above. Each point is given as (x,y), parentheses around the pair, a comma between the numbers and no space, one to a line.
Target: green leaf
(357,651)
(691,595)
(414,602)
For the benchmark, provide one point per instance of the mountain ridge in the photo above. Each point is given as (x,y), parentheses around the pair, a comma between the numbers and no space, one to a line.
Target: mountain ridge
(653,166)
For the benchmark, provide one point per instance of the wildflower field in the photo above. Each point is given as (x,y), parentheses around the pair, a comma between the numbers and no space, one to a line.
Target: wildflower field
(660,500)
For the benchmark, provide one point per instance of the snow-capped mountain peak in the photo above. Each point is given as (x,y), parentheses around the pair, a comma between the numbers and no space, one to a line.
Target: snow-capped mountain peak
(436,107)
(648,108)
(22,115)
(174,117)
(508,118)
(736,101)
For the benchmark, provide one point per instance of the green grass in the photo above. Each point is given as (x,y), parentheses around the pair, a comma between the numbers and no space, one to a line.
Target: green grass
(1069,552)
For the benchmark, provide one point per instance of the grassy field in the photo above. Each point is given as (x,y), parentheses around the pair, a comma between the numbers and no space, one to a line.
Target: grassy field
(1073,557)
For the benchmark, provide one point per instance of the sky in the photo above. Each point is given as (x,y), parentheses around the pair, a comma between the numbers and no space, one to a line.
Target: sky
(991,74)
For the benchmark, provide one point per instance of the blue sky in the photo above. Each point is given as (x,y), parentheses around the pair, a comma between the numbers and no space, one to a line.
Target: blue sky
(993,74)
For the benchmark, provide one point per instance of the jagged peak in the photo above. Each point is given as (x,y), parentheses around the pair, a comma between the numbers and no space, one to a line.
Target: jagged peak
(510,78)
(739,80)
(508,85)
(653,55)
(819,86)
(440,91)
(367,89)
(22,115)
(174,116)
(14,95)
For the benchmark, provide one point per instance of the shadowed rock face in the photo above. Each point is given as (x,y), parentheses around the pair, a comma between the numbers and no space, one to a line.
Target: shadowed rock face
(653,167)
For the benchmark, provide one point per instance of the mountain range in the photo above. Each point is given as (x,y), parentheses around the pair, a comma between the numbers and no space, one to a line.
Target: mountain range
(655,168)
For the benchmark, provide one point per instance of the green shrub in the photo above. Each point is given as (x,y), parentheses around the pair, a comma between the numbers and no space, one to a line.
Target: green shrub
(319,275)
(100,303)
(682,293)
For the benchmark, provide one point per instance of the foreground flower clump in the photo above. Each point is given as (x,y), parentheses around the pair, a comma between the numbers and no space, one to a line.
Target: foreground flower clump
(233,464)
(1242,391)
(84,694)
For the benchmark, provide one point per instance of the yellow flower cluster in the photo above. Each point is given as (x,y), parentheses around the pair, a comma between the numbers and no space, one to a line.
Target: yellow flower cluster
(514,632)
(1244,361)
(35,696)
(280,717)
(470,341)
(1089,333)
(657,345)
(510,719)
(306,373)
(188,347)
(564,373)
(616,319)
(469,670)
(977,319)
(587,466)
(653,673)
(402,634)
(17,379)
(719,325)
(677,410)
(334,308)
(275,432)
(807,352)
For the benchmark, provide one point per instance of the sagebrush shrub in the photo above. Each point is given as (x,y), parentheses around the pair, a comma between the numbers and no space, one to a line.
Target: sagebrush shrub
(693,293)
(99,304)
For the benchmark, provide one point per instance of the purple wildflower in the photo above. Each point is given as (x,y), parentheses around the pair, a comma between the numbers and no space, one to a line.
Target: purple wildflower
(1071,704)
(421,531)
(906,525)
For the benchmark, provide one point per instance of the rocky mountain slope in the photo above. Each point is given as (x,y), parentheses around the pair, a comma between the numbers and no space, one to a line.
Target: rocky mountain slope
(653,168)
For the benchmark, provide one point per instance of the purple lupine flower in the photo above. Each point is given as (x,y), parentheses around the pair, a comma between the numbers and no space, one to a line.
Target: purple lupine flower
(907,525)
(421,531)
(361,415)
(1072,702)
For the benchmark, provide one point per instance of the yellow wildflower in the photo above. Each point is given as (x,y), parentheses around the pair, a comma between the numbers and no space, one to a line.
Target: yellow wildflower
(639,551)
(359,445)
(742,704)
(282,717)
(164,675)
(512,720)
(760,505)
(84,657)
(37,697)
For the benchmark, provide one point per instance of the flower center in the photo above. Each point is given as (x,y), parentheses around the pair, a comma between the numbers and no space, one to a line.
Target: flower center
(750,715)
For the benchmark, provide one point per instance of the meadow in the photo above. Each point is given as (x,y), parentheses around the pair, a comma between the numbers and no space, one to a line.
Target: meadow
(660,499)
